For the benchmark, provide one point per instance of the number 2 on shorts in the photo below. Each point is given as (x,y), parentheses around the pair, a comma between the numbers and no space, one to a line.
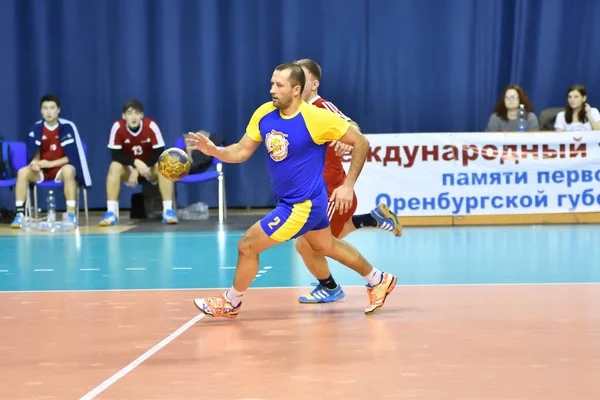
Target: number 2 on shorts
(275,222)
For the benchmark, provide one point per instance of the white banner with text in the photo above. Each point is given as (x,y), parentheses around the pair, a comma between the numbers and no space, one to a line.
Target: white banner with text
(451,174)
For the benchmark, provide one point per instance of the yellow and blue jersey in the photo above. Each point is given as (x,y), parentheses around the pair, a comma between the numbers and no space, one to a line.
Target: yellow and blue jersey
(296,145)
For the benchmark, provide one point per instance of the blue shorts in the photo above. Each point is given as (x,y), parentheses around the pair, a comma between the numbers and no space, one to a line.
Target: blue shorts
(288,221)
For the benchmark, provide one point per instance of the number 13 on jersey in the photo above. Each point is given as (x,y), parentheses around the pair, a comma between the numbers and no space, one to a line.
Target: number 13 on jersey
(137,150)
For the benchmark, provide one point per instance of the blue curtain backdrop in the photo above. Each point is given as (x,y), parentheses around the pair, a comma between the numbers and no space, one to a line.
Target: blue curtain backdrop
(393,65)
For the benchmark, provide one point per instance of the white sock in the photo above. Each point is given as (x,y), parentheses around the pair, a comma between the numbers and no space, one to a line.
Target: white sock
(112,206)
(167,205)
(19,203)
(234,297)
(374,277)
(71,203)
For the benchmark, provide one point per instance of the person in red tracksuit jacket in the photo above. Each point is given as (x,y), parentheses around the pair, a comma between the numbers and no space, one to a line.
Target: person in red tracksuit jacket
(342,224)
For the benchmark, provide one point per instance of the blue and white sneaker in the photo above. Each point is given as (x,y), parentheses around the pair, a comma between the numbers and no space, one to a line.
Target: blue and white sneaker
(72,218)
(386,219)
(109,219)
(17,222)
(321,294)
(169,217)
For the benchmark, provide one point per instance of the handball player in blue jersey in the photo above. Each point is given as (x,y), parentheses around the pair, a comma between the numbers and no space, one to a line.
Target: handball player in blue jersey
(296,135)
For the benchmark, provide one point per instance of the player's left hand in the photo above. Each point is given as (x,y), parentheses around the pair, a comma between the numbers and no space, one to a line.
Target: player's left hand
(142,168)
(43,164)
(341,148)
(343,197)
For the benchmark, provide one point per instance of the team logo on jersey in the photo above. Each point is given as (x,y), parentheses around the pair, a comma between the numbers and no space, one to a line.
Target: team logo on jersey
(277,145)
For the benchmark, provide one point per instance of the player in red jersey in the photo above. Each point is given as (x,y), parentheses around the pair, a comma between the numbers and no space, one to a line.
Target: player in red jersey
(342,222)
(136,143)
(55,153)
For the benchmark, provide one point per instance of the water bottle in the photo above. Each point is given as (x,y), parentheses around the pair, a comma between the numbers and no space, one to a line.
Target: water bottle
(522,119)
(51,203)
(196,211)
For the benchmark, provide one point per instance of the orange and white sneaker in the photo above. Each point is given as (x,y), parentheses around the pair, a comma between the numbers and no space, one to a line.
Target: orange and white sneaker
(217,306)
(378,293)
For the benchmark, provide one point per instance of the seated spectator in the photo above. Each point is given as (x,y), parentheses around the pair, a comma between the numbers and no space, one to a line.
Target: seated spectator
(578,114)
(136,144)
(55,153)
(506,112)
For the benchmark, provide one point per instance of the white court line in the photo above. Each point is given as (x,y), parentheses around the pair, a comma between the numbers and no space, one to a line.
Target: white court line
(89,269)
(130,234)
(227,267)
(3,270)
(135,363)
(181,234)
(181,268)
(43,270)
(135,269)
(465,285)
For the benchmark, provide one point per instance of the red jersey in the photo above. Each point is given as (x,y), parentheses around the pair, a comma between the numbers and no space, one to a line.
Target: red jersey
(50,147)
(333,172)
(136,145)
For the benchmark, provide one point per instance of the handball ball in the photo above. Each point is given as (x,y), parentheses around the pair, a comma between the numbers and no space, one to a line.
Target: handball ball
(174,164)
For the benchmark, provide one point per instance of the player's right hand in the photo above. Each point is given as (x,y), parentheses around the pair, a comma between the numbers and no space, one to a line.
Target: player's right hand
(197,141)
(133,178)
(34,166)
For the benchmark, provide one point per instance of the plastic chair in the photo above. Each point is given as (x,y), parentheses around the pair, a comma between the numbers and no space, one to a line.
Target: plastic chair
(547,118)
(216,173)
(53,184)
(18,153)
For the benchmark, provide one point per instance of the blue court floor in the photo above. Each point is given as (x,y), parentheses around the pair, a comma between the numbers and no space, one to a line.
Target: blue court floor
(423,256)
